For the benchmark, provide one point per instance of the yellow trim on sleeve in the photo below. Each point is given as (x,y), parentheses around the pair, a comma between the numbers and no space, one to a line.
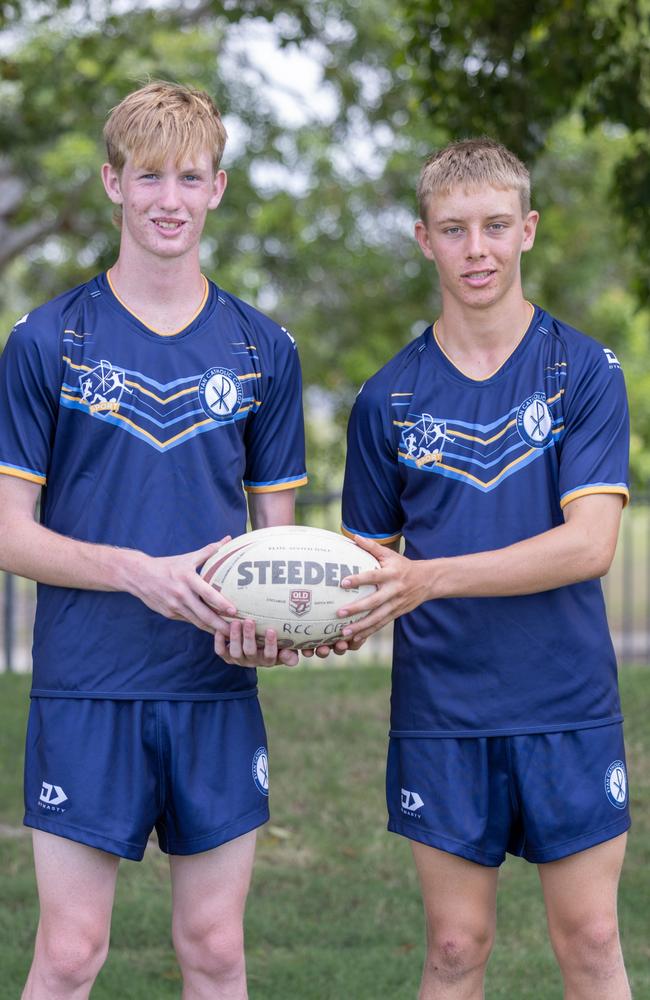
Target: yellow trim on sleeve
(380,541)
(7,470)
(277,487)
(594,490)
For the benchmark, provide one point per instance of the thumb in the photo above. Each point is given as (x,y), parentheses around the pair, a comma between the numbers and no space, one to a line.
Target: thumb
(202,555)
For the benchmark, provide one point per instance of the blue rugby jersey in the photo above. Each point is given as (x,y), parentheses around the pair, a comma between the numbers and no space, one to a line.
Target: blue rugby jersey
(144,441)
(456,466)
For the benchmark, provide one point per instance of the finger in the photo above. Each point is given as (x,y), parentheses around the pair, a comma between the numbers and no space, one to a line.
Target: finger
(202,555)
(235,641)
(358,632)
(371,577)
(221,645)
(369,603)
(371,545)
(289,657)
(249,640)
(214,598)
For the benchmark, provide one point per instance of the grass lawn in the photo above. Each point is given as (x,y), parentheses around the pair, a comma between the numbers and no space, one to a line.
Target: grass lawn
(334,911)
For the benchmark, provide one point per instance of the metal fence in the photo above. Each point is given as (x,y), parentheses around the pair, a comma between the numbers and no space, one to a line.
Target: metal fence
(626,587)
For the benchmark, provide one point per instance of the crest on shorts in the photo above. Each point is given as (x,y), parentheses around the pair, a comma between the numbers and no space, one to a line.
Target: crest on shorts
(616,784)
(220,393)
(300,601)
(424,440)
(102,387)
(261,770)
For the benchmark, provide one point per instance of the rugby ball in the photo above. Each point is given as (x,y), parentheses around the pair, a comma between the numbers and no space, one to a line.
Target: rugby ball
(288,578)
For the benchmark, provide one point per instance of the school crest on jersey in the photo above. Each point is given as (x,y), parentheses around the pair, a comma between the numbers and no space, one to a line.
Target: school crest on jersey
(423,442)
(102,387)
(220,393)
(534,421)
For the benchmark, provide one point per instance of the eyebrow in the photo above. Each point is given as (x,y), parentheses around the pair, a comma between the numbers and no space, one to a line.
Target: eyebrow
(488,218)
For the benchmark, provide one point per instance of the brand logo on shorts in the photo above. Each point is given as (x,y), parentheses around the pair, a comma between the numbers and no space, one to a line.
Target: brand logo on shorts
(51,797)
(616,784)
(261,770)
(220,393)
(411,802)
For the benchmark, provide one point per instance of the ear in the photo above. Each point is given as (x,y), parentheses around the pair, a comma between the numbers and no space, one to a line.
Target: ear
(111,182)
(422,236)
(218,187)
(530,228)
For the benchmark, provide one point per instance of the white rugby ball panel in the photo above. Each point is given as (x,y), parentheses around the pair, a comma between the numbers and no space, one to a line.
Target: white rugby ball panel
(288,578)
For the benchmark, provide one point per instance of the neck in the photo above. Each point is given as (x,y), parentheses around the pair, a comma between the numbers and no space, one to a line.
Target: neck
(163,294)
(478,341)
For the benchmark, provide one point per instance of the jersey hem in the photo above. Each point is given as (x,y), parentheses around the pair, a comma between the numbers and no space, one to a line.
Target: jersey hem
(144,695)
(453,734)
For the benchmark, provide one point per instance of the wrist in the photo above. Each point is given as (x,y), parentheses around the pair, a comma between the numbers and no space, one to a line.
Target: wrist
(128,567)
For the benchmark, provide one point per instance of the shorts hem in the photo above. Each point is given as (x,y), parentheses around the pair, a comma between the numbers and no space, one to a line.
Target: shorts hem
(123,849)
(577,844)
(208,842)
(442,843)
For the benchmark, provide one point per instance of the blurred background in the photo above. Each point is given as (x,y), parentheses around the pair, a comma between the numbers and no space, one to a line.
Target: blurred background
(331,108)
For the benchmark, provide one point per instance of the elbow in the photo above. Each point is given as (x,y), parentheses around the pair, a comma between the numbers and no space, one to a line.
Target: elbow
(600,559)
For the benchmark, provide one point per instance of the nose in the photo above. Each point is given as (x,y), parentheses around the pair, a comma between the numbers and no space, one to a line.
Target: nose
(168,194)
(475,243)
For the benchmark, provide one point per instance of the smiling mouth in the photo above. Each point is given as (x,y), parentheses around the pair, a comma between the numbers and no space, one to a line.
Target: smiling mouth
(170,225)
(478,274)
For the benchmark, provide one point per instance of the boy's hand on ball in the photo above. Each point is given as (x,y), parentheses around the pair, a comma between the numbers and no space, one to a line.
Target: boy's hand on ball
(240,647)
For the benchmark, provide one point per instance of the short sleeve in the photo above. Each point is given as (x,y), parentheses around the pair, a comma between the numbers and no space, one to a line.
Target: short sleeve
(594,448)
(275,435)
(29,394)
(372,485)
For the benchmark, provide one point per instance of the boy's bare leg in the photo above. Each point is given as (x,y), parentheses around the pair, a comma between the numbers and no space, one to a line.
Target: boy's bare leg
(76,887)
(209,896)
(580,894)
(460,906)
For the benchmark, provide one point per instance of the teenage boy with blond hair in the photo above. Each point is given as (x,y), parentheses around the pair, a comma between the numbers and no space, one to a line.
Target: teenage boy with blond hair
(134,406)
(496,444)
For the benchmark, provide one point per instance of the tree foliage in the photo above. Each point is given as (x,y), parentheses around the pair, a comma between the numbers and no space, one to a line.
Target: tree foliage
(316,225)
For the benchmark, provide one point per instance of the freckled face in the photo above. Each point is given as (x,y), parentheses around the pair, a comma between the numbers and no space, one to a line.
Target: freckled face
(164,210)
(476,237)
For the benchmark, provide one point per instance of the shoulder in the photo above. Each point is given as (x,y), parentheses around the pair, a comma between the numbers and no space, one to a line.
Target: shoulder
(580,349)
(396,376)
(255,322)
(42,326)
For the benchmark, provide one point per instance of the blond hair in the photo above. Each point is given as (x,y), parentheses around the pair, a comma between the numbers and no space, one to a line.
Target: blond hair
(472,163)
(161,120)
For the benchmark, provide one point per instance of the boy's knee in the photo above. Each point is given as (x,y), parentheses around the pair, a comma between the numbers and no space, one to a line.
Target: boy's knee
(590,947)
(454,953)
(215,950)
(72,956)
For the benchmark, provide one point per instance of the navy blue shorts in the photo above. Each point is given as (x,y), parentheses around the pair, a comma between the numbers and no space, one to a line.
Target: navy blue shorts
(542,796)
(106,773)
